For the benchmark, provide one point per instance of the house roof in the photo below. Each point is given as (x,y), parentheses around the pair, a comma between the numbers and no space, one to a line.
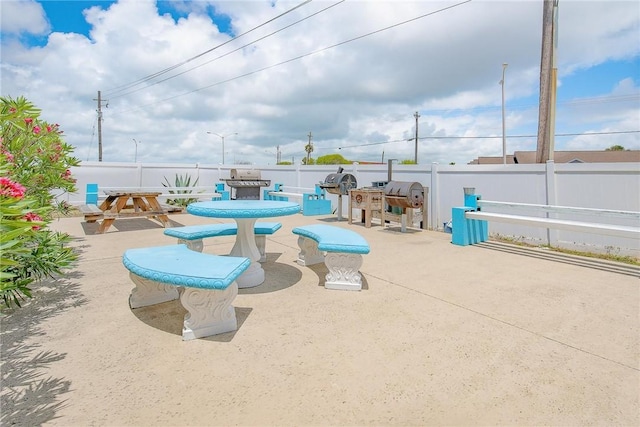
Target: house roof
(602,156)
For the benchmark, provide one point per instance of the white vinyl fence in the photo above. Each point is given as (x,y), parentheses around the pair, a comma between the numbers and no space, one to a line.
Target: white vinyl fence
(609,186)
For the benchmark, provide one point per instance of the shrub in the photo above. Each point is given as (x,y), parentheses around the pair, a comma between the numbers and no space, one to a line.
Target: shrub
(183,182)
(34,160)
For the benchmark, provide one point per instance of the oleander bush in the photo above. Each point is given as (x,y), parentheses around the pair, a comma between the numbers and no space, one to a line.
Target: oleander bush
(34,161)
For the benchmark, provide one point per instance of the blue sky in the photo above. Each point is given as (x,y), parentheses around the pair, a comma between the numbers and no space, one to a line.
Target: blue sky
(66,16)
(330,72)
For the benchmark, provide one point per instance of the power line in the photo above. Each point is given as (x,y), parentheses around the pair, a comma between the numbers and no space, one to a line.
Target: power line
(173,67)
(484,137)
(233,51)
(581,101)
(302,56)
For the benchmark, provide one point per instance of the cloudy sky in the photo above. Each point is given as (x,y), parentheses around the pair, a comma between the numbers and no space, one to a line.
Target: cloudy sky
(267,73)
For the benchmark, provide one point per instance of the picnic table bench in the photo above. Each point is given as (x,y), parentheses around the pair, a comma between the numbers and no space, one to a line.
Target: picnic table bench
(143,204)
(208,282)
(192,235)
(340,249)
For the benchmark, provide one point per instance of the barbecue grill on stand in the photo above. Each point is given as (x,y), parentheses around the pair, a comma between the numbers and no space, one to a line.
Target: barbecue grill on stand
(405,195)
(339,183)
(246,183)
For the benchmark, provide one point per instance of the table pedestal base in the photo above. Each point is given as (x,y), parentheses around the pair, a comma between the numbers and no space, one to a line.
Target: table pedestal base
(253,276)
(245,246)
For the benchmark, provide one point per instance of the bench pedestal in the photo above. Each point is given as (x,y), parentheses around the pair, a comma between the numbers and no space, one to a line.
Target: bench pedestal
(343,267)
(209,310)
(343,271)
(309,253)
(149,292)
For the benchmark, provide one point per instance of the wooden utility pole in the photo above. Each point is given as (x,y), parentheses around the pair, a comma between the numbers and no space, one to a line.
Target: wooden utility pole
(100,101)
(546,121)
(415,155)
(309,148)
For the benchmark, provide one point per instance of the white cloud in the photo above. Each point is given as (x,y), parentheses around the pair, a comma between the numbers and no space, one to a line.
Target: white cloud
(446,65)
(23,16)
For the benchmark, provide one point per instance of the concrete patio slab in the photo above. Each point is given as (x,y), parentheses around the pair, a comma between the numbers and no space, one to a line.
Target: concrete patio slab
(491,334)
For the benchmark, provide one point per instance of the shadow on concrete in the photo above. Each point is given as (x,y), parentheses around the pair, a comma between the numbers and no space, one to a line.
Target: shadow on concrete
(128,224)
(278,276)
(169,317)
(334,219)
(546,254)
(29,397)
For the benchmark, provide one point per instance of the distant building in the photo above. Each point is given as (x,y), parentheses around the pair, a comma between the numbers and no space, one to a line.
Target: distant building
(528,157)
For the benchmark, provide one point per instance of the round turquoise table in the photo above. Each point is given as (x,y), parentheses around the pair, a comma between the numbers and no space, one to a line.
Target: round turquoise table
(245,213)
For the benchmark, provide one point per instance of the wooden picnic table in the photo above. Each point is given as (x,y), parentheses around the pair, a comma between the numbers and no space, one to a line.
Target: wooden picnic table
(143,203)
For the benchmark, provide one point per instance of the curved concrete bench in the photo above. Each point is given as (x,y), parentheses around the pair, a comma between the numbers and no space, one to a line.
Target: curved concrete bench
(192,235)
(209,283)
(344,249)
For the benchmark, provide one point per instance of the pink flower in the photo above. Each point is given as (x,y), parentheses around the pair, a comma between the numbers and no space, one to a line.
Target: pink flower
(8,156)
(31,217)
(11,188)
(67,176)
(36,129)
(28,120)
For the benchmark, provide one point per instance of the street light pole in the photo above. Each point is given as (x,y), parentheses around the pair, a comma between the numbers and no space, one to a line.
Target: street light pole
(415,155)
(222,137)
(135,159)
(504,140)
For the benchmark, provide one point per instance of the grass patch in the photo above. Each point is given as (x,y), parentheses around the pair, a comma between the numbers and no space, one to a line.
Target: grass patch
(625,259)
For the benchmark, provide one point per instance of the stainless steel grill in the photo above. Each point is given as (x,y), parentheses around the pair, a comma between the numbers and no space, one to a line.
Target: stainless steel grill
(246,183)
(404,194)
(339,183)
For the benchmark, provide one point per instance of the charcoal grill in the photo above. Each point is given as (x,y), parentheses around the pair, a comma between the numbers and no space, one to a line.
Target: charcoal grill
(404,194)
(339,183)
(246,183)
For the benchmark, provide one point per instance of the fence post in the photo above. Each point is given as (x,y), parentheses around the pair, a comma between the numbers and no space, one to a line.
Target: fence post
(139,172)
(91,197)
(550,173)
(468,231)
(434,217)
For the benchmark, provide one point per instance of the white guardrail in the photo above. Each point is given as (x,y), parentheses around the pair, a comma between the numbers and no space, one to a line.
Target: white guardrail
(470,222)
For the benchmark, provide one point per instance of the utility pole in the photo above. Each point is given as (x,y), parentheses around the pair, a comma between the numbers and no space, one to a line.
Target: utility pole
(504,137)
(100,101)
(415,156)
(309,148)
(546,122)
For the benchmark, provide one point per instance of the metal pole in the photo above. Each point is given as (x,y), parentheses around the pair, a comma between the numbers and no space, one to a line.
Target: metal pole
(222,138)
(135,159)
(504,138)
(222,149)
(99,126)
(415,155)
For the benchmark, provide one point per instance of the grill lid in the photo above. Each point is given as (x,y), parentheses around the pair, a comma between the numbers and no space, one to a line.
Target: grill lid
(245,174)
(339,183)
(404,194)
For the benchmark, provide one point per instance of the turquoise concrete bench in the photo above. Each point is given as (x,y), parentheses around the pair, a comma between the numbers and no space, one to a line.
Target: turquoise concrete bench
(339,248)
(208,285)
(192,235)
